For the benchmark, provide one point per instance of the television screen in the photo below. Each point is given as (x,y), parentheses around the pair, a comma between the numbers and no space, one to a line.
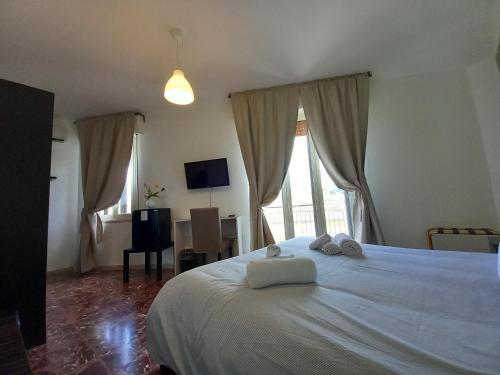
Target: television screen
(206,173)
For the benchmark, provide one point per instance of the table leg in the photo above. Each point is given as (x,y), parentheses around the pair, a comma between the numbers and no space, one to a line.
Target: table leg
(158,265)
(125,267)
(147,261)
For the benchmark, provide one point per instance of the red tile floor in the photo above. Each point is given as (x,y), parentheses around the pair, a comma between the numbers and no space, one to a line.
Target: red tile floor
(96,325)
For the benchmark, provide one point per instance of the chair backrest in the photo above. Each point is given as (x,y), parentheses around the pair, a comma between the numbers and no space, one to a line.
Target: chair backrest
(205,224)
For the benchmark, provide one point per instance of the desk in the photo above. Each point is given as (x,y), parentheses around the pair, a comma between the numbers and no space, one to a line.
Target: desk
(183,239)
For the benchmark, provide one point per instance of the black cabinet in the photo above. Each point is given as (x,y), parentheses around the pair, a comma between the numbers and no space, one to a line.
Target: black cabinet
(151,232)
(151,229)
(25,147)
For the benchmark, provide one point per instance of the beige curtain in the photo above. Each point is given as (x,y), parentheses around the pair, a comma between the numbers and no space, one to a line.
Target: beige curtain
(105,150)
(265,122)
(337,114)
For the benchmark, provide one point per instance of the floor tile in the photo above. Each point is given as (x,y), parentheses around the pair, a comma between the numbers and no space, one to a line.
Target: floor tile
(96,325)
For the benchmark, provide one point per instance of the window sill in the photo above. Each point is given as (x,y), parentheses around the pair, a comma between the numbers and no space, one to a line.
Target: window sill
(116,219)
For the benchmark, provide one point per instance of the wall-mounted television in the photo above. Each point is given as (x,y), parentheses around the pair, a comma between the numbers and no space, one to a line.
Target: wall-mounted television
(206,174)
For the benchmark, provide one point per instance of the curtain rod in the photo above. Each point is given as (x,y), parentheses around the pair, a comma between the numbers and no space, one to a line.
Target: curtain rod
(307,82)
(135,114)
(142,115)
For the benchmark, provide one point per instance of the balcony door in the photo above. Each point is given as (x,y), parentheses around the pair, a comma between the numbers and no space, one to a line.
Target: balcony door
(309,203)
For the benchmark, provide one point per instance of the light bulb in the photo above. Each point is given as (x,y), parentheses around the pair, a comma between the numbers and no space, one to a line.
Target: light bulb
(178,90)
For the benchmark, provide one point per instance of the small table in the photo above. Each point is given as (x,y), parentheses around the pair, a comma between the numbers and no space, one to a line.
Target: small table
(147,262)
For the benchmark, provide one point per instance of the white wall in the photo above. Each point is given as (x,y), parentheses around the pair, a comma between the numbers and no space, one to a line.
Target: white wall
(173,136)
(485,82)
(62,246)
(425,162)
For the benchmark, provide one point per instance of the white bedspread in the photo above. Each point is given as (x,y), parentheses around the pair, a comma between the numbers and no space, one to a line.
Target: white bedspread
(394,311)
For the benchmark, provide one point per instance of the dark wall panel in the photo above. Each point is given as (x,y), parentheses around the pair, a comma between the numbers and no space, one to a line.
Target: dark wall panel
(25,149)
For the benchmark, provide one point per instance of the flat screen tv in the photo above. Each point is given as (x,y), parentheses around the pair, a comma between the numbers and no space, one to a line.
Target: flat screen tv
(206,174)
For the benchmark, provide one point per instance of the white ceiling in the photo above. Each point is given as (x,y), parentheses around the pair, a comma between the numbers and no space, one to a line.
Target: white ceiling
(101,56)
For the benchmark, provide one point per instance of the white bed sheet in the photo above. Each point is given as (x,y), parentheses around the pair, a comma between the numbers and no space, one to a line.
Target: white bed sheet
(394,311)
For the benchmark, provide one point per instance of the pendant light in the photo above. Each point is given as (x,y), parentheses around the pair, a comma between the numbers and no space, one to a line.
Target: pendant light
(178,90)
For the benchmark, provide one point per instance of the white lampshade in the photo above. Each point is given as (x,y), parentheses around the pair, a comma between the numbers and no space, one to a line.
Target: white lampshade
(178,90)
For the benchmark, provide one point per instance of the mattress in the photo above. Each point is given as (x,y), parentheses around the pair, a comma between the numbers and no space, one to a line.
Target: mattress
(395,310)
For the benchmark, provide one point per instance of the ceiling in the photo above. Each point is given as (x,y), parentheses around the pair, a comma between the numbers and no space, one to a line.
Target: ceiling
(113,55)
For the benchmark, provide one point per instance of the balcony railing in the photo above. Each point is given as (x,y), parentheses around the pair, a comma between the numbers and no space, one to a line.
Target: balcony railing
(336,219)
(303,220)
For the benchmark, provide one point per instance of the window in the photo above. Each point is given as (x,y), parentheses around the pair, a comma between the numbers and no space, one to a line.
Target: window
(128,200)
(309,203)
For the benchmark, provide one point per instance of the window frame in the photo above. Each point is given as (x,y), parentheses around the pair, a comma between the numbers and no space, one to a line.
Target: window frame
(115,216)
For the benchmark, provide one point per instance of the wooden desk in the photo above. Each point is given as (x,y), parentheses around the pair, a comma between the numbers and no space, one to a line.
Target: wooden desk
(183,238)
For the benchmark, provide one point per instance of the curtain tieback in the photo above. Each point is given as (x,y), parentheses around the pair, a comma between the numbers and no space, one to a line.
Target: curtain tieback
(94,224)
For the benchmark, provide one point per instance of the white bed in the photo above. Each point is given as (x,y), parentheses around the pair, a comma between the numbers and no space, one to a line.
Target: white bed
(394,311)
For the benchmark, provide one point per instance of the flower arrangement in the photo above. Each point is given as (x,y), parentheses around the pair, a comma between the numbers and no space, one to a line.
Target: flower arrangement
(150,193)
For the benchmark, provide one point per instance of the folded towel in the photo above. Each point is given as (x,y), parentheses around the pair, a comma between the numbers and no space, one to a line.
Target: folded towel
(273,251)
(331,248)
(319,242)
(347,244)
(267,272)
(282,256)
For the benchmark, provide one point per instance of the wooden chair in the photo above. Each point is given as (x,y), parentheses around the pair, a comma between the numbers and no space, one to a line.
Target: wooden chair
(206,232)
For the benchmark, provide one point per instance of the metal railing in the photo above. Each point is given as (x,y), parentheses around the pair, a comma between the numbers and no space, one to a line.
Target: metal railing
(336,219)
(303,220)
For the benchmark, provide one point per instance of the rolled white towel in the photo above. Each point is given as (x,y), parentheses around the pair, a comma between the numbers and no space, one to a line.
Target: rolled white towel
(319,242)
(347,244)
(282,257)
(267,272)
(273,251)
(331,248)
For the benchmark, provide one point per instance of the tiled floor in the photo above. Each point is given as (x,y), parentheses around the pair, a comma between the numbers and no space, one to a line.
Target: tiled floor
(96,325)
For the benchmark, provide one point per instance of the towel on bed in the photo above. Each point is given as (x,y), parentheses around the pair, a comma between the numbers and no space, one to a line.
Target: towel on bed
(267,272)
(347,244)
(319,242)
(281,257)
(331,248)
(273,251)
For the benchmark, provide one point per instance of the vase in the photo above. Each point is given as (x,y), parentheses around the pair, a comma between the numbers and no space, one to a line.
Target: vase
(151,202)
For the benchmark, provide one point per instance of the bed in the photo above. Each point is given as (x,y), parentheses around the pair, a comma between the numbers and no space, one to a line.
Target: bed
(395,310)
